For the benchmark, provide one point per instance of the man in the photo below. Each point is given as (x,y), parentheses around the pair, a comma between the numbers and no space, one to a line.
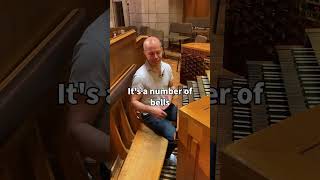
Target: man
(87,123)
(155,74)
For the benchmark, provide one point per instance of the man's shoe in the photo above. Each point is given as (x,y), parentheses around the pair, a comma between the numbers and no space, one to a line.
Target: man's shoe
(171,161)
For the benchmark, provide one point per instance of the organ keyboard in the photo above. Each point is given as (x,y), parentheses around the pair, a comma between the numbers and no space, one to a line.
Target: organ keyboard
(292,85)
(200,88)
(241,114)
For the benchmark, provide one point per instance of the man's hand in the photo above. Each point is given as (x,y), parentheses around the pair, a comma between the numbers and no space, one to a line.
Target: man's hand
(158,112)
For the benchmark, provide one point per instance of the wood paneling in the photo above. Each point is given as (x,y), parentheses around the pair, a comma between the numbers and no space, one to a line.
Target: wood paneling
(125,50)
(194,142)
(25,23)
(33,148)
(196,8)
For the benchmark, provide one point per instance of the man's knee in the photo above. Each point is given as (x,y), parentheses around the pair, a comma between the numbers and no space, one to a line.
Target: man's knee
(169,132)
(173,113)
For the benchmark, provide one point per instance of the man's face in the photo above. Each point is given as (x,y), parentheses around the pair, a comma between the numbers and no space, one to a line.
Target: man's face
(153,53)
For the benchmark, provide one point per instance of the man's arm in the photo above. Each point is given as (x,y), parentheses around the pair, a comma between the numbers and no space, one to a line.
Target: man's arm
(155,111)
(91,141)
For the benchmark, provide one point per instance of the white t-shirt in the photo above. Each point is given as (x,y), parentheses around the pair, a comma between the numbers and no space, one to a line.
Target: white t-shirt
(145,80)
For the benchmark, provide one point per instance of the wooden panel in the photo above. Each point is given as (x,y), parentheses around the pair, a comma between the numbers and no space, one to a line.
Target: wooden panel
(145,157)
(196,8)
(201,47)
(119,87)
(131,114)
(125,127)
(25,23)
(117,145)
(24,156)
(277,152)
(124,53)
(194,144)
(13,153)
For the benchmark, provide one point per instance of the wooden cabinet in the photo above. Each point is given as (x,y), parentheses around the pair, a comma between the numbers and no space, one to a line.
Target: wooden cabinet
(194,144)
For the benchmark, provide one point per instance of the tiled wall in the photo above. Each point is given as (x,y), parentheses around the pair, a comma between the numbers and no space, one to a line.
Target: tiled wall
(156,14)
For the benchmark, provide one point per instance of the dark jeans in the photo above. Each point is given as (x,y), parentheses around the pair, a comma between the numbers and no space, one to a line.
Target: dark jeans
(164,127)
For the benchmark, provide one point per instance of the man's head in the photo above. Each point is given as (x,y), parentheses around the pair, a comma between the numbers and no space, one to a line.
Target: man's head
(152,50)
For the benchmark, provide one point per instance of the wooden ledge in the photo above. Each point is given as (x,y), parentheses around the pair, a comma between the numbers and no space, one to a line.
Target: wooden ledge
(121,36)
(146,156)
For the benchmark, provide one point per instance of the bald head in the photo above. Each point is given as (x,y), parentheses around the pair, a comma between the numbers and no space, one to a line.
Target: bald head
(151,42)
(153,51)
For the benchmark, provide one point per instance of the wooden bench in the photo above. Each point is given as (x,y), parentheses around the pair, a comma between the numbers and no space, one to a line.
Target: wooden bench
(145,156)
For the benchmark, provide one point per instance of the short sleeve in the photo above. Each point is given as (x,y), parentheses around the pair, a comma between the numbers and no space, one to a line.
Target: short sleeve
(137,83)
(90,66)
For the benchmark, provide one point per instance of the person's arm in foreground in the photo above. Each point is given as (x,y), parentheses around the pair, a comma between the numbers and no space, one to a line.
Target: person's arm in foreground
(91,141)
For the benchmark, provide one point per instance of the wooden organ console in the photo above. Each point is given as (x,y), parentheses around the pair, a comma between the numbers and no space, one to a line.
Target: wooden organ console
(291,87)
(287,150)
(194,140)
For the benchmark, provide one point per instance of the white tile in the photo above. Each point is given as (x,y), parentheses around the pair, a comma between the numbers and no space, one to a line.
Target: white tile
(132,18)
(152,25)
(144,6)
(162,17)
(152,17)
(145,24)
(162,6)
(137,6)
(138,17)
(131,6)
(164,27)
(133,23)
(145,18)
(152,6)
